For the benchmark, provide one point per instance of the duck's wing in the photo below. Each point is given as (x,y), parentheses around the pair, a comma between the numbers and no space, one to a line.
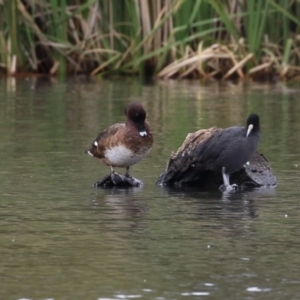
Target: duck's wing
(106,139)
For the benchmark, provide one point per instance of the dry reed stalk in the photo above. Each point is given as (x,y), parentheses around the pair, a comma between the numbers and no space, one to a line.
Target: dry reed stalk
(145,23)
(214,52)
(259,68)
(54,68)
(238,67)
(200,64)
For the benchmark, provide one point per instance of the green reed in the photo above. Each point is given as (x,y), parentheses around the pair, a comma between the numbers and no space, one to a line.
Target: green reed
(150,37)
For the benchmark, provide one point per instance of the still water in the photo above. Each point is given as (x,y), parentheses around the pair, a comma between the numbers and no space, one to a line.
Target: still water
(60,238)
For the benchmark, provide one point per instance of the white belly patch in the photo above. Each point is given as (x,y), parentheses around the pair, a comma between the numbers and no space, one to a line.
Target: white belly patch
(121,156)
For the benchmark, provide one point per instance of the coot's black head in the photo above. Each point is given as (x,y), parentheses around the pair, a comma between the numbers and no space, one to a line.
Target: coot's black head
(135,112)
(253,124)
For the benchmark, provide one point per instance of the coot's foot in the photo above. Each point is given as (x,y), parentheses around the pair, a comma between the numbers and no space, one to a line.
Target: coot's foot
(118,180)
(226,188)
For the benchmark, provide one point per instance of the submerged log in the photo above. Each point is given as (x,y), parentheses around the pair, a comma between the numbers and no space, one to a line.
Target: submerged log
(184,169)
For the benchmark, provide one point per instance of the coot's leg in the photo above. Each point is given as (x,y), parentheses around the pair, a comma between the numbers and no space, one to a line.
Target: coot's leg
(226,184)
(225,177)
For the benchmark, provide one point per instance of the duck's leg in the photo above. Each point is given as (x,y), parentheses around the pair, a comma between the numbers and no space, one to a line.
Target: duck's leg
(226,184)
(131,180)
(112,179)
(127,172)
(127,179)
(116,178)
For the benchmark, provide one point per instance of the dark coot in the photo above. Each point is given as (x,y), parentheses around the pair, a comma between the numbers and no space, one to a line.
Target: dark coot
(230,149)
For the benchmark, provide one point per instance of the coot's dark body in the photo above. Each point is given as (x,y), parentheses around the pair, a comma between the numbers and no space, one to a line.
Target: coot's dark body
(230,149)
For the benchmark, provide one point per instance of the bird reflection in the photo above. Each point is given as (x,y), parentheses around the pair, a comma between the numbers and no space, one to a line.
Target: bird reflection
(211,204)
(126,205)
(229,214)
(248,193)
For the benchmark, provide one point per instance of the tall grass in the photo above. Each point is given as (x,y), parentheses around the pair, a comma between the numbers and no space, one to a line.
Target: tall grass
(165,38)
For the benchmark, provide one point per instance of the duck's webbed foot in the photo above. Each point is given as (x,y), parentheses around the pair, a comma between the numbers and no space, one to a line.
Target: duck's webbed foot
(104,181)
(117,180)
(133,181)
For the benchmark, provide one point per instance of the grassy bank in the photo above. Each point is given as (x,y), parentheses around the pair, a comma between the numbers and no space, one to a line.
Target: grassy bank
(164,38)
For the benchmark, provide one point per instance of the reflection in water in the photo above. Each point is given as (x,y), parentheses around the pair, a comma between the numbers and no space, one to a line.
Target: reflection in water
(124,203)
(247,193)
(233,211)
(210,203)
(212,195)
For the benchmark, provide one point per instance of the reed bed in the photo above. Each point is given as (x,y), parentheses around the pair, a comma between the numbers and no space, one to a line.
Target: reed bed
(164,38)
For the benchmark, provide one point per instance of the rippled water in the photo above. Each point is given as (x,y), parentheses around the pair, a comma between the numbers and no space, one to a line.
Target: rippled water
(63,239)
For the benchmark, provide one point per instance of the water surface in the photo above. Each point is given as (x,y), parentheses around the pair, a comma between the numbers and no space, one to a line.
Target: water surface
(63,239)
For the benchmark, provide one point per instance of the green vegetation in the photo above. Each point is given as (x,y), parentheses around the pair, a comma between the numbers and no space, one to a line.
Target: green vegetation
(166,38)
